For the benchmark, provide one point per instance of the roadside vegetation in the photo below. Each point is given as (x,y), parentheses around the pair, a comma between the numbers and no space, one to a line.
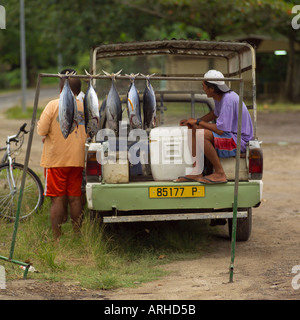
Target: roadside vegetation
(281,107)
(17,112)
(101,257)
(50,25)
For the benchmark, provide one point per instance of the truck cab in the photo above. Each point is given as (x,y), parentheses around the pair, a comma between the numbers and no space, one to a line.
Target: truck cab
(131,177)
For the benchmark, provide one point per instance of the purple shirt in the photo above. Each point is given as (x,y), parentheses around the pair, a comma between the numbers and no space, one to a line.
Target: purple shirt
(227,111)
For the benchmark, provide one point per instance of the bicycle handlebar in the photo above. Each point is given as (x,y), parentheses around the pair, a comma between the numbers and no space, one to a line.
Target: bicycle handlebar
(15,138)
(22,128)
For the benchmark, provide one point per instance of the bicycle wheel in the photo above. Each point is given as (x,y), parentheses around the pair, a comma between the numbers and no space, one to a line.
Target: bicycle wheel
(32,194)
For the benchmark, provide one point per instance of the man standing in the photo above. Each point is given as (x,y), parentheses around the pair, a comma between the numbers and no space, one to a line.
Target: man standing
(63,162)
(220,138)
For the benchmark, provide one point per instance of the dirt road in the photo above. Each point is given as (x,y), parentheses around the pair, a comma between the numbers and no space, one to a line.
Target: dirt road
(263,265)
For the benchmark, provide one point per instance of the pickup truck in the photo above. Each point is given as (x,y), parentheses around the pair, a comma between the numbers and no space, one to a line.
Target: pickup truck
(120,191)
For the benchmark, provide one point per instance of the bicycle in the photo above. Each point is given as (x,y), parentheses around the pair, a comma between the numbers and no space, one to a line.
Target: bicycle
(11,174)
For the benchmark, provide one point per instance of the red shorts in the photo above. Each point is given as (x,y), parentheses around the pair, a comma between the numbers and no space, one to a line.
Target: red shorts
(63,181)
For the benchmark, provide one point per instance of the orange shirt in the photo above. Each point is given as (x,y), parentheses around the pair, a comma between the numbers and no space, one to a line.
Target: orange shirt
(58,151)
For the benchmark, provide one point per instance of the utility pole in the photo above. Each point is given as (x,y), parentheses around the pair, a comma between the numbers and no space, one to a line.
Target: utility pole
(23,55)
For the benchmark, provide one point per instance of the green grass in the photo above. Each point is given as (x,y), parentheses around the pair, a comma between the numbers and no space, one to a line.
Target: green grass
(102,257)
(173,112)
(281,107)
(17,113)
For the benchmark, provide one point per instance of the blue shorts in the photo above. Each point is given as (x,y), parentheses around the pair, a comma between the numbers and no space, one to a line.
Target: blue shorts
(224,145)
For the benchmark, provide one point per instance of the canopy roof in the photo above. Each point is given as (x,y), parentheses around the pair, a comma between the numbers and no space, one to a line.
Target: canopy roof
(240,56)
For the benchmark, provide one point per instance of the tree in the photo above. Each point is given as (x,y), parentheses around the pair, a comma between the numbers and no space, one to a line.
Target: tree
(213,17)
(273,17)
(64,29)
(218,18)
(59,33)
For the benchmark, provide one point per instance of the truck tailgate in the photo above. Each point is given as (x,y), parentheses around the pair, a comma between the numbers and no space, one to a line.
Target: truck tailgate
(168,195)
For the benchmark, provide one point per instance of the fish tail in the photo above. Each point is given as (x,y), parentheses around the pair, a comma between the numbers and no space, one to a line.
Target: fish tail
(112,75)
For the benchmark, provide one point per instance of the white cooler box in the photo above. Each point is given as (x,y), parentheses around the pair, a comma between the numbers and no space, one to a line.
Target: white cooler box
(169,153)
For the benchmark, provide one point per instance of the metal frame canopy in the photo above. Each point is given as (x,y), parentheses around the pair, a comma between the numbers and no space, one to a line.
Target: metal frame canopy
(240,56)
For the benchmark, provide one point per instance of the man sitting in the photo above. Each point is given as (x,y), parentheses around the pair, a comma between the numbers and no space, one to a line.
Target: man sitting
(220,138)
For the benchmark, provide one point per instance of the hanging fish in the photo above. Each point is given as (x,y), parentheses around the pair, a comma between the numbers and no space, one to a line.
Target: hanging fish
(133,105)
(113,105)
(67,109)
(91,110)
(102,115)
(149,105)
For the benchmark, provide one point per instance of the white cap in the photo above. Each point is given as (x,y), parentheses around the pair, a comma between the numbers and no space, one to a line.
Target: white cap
(217,74)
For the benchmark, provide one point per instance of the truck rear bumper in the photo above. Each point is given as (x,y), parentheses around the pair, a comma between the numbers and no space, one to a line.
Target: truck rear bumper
(134,196)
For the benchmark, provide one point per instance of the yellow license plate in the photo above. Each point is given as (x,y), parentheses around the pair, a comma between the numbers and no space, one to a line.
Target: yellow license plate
(177,192)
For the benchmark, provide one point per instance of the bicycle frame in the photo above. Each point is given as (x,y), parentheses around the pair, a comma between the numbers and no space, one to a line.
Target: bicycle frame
(4,158)
(10,176)
(8,159)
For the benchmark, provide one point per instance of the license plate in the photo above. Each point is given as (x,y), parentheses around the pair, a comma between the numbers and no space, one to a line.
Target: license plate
(177,192)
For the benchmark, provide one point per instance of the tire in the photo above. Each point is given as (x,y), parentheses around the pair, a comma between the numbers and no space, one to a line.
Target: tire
(32,199)
(243,227)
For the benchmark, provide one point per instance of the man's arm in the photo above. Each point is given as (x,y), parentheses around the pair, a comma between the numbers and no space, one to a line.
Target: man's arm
(203,124)
(209,117)
(44,123)
(209,126)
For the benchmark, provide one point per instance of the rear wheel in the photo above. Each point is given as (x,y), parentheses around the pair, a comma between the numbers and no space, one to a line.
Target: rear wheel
(243,227)
(32,198)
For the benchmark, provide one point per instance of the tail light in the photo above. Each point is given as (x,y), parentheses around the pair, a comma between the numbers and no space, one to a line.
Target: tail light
(255,163)
(93,167)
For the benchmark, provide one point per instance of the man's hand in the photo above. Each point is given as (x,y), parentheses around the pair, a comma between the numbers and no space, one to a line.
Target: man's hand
(190,123)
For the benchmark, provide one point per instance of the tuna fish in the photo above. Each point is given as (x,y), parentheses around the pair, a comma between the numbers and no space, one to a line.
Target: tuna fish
(67,110)
(149,105)
(113,105)
(133,105)
(91,111)
(102,115)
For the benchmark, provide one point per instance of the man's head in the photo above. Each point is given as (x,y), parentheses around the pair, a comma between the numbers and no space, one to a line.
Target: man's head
(219,87)
(75,83)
